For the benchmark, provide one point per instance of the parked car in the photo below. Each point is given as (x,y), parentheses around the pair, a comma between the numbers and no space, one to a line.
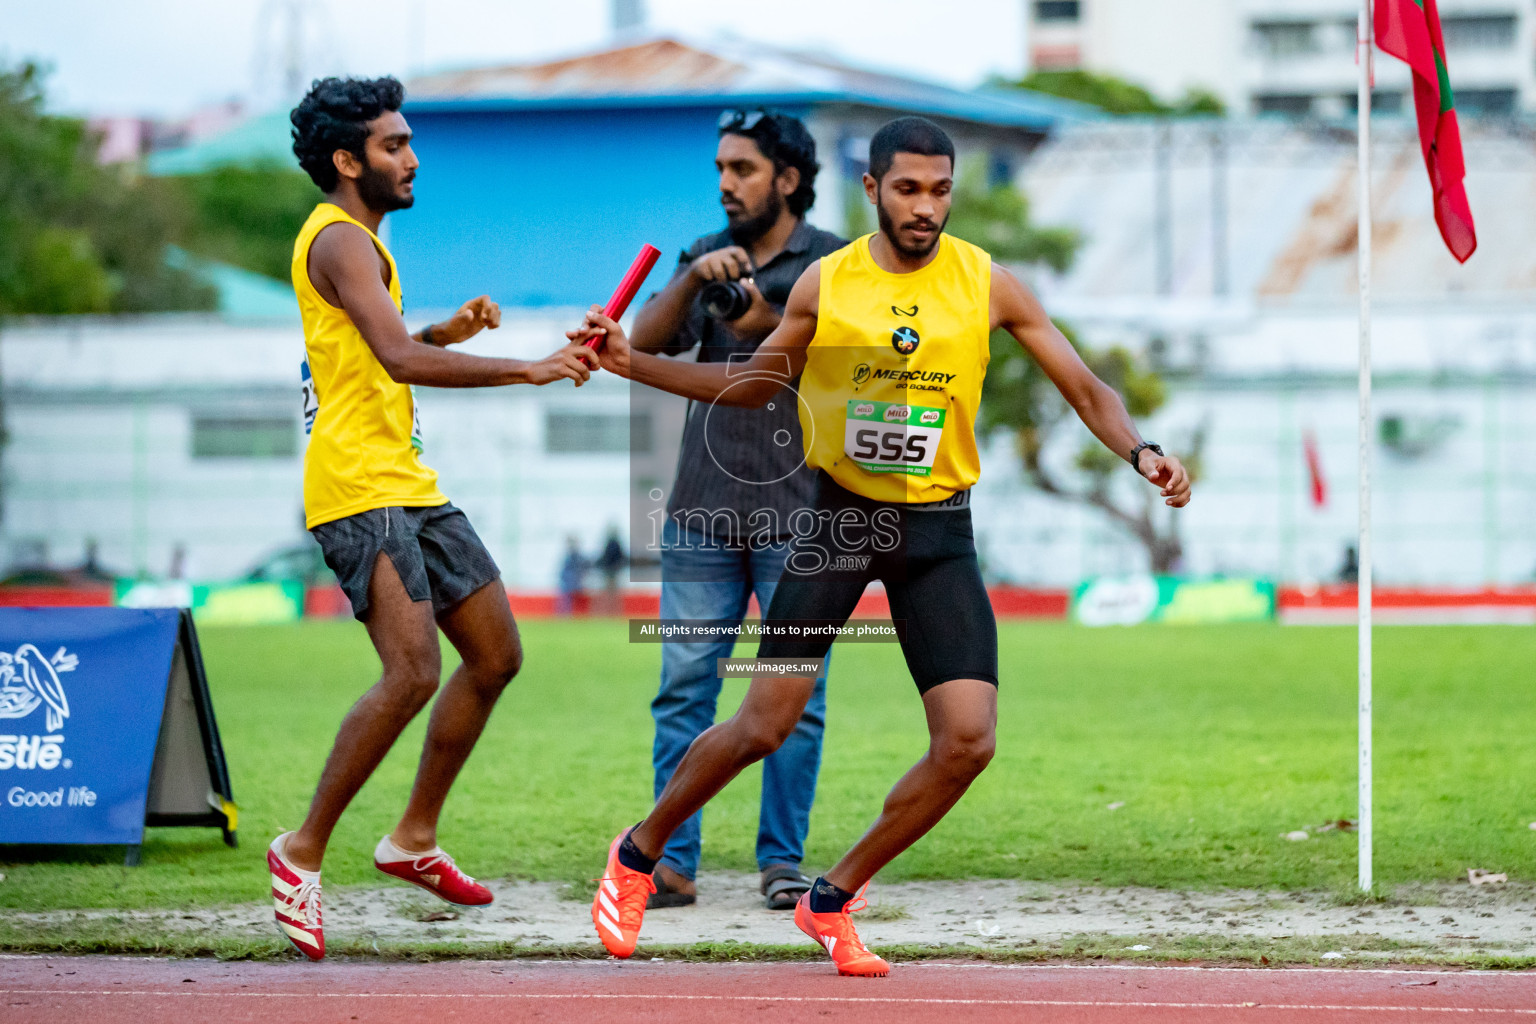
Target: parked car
(302,561)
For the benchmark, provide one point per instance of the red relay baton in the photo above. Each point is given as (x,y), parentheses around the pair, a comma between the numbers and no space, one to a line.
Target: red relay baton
(638,272)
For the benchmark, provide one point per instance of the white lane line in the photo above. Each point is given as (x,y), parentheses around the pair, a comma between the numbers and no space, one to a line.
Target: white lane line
(684,997)
(1427,969)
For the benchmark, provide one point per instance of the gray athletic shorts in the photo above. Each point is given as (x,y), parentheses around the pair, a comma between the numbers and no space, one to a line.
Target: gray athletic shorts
(435,550)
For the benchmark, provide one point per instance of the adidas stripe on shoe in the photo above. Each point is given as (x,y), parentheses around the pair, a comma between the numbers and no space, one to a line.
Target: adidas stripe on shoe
(296,901)
(618,909)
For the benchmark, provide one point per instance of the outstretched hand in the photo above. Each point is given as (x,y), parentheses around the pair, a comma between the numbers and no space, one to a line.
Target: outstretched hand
(475,315)
(613,349)
(1169,474)
(573,362)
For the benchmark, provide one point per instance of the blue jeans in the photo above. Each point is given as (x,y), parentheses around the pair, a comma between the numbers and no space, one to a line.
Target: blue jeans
(715,584)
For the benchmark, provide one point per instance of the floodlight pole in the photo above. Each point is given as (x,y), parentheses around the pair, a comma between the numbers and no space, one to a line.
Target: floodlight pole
(1364,437)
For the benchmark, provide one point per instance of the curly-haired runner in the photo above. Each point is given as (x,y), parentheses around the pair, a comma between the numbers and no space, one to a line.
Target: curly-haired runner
(408,560)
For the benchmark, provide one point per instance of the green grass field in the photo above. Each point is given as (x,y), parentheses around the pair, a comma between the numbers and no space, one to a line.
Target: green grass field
(1217,740)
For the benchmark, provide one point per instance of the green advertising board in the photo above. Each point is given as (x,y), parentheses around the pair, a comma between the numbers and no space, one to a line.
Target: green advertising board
(1131,600)
(218,604)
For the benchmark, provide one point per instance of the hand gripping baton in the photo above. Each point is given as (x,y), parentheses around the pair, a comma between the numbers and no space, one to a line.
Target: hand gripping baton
(638,271)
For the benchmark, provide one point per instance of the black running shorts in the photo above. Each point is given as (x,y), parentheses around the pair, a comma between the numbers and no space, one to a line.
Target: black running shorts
(925,556)
(437,554)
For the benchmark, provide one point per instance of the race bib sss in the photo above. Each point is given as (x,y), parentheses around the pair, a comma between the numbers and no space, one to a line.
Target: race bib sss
(891,437)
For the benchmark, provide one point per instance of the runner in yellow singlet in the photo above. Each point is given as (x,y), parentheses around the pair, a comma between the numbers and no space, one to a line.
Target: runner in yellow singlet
(409,561)
(889,339)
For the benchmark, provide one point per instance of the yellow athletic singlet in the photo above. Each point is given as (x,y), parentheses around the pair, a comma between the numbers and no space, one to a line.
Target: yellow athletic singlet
(893,376)
(364,441)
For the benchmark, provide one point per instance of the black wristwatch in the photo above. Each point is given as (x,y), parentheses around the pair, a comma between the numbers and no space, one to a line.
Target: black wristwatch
(1136,453)
(426,336)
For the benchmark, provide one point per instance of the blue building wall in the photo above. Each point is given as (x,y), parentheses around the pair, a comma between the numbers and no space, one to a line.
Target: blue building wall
(548,207)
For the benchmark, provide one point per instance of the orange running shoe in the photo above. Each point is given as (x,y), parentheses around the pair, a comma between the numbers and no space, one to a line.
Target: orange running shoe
(836,935)
(619,906)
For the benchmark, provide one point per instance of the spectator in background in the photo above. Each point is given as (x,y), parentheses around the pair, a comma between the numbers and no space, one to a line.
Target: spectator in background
(573,574)
(1349,572)
(180,567)
(610,563)
(91,569)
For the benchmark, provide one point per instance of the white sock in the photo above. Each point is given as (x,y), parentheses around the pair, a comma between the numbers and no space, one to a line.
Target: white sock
(388,853)
(280,844)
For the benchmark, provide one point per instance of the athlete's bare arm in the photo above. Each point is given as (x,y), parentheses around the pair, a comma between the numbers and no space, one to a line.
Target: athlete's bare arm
(474,316)
(1016,310)
(751,383)
(344,267)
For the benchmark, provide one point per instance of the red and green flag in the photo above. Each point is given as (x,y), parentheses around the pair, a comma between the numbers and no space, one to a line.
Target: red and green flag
(1410,31)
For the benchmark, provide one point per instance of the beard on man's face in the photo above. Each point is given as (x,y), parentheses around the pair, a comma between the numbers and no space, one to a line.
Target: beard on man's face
(379,192)
(748,226)
(888,229)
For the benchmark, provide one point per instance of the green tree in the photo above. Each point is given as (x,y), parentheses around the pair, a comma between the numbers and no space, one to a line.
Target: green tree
(247,216)
(1018,397)
(76,237)
(1116,95)
(996,217)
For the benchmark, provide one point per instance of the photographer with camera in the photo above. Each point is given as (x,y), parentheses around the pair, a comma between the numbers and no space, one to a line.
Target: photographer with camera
(726,296)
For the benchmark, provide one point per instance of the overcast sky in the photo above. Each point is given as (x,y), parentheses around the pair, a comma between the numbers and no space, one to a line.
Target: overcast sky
(166,57)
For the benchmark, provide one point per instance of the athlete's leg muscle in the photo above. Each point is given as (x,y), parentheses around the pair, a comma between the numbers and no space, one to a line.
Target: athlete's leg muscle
(962,734)
(482,630)
(405,637)
(768,714)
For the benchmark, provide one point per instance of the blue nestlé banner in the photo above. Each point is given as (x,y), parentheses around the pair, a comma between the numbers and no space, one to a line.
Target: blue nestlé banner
(82,692)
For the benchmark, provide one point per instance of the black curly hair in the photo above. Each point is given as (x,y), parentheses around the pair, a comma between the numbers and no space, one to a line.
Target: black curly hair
(785,141)
(334,115)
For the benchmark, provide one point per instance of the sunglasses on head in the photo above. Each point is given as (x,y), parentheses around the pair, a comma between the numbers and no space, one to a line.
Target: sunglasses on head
(741,120)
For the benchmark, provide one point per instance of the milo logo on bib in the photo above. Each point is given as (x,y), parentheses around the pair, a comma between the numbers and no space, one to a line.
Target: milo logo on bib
(892,437)
(416,441)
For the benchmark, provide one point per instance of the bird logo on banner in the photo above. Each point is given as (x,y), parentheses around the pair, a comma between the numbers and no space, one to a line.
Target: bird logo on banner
(27,680)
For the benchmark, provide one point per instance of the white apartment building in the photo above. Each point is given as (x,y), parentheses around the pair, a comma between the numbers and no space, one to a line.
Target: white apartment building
(1283,57)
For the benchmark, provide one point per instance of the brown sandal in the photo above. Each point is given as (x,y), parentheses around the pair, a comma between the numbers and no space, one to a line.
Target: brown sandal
(666,896)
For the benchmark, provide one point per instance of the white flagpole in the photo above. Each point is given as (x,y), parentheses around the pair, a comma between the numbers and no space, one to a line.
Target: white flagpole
(1363,50)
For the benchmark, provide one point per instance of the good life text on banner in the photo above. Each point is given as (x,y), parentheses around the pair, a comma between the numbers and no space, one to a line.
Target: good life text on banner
(82,692)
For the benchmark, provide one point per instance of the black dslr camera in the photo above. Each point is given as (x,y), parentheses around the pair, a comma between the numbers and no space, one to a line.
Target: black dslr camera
(725,300)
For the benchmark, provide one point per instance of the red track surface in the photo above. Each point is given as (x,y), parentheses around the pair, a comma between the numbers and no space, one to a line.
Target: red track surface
(117,990)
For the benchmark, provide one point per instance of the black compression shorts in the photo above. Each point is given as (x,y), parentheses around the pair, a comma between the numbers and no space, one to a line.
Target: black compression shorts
(925,556)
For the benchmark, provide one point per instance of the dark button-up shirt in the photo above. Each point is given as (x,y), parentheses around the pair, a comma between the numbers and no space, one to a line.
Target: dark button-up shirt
(737,462)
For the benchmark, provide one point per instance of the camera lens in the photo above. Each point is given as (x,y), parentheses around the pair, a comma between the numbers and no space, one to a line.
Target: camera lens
(725,300)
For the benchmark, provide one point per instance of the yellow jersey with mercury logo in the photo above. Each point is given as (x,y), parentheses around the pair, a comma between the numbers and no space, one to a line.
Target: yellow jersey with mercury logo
(364,439)
(892,378)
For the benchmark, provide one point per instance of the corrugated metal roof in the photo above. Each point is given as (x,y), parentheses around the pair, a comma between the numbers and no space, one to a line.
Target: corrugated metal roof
(667,71)
(1290,211)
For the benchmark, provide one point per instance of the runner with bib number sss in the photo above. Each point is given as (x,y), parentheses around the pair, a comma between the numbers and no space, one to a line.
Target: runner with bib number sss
(889,336)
